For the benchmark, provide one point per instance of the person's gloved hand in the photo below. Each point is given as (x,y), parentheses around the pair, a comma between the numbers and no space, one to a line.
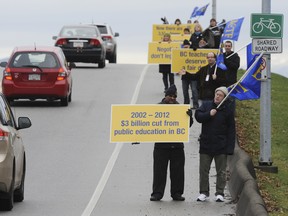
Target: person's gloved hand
(189,112)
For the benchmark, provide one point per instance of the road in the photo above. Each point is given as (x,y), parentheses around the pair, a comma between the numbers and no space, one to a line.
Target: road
(73,170)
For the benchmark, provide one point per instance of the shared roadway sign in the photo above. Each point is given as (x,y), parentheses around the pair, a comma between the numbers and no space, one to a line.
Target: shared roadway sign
(267,33)
(266,45)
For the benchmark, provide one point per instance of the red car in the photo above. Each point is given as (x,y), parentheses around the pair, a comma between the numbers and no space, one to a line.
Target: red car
(37,73)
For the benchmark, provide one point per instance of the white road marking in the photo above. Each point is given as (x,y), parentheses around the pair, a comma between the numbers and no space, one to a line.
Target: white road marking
(109,167)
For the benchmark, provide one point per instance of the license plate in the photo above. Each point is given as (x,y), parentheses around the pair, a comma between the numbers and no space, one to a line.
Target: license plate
(34,77)
(78,44)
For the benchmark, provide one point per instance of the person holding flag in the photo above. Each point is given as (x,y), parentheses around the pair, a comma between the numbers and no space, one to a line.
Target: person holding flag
(217,140)
(232,63)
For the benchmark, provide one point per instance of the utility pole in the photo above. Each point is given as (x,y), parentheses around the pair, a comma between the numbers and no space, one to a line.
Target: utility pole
(265,159)
(214,9)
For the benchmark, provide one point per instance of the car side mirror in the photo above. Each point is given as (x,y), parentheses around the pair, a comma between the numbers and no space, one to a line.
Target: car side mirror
(116,34)
(54,37)
(24,122)
(3,64)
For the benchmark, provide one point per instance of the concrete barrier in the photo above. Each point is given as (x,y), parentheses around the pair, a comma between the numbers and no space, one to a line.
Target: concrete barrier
(242,185)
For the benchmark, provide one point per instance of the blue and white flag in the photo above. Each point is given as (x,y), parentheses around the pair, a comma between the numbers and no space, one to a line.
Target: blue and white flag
(199,12)
(250,86)
(232,30)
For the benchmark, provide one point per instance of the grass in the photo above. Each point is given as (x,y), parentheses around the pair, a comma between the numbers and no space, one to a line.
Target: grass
(273,187)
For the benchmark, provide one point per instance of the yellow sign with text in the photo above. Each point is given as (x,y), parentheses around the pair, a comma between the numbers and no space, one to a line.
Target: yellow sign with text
(189,60)
(149,123)
(160,52)
(160,30)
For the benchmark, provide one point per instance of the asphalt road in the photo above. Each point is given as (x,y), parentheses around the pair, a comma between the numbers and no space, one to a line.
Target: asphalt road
(73,170)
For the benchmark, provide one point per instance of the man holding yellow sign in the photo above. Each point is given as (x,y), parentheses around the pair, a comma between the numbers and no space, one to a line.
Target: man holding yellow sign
(172,153)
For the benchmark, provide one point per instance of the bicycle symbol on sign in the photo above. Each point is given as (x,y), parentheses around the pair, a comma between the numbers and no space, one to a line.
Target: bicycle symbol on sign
(269,24)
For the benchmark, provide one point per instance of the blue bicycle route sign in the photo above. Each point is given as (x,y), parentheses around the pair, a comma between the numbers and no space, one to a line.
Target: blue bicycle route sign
(266,25)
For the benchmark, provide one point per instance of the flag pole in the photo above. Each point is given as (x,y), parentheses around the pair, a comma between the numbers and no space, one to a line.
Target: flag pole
(244,75)
(237,51)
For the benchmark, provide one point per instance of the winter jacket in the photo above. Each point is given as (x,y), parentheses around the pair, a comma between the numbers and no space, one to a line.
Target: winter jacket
(207,88)
(218,132)
(232,63)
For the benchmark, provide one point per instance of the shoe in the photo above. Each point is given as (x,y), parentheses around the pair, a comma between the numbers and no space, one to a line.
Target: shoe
(155,198)
(201,198)
(178,198)
(219,198)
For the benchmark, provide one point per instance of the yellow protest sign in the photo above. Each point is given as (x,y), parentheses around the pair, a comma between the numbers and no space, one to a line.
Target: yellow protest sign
(189,59)
(160,52)
(160,30)
(149,123)
(180,37)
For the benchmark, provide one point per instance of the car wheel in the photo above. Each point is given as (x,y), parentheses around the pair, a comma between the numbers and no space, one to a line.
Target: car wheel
(102,63)
(19,193)
(113,58)
(64,101)
(70,96)
(7,203)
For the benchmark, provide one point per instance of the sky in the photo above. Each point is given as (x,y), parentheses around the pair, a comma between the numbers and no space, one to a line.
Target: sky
(32,22)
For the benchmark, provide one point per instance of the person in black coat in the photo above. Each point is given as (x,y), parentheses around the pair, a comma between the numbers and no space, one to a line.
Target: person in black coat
(209,79)
(217,140)
(172,154)
(165,69)
(232,63)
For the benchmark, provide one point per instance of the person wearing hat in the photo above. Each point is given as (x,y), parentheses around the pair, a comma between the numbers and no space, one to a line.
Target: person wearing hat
(165,69)
(217,140)
(172,154)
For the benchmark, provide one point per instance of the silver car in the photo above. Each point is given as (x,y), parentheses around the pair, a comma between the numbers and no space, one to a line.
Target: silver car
(109,38)
(12,156)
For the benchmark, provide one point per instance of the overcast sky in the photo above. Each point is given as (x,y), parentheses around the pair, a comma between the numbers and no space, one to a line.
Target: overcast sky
(34,21)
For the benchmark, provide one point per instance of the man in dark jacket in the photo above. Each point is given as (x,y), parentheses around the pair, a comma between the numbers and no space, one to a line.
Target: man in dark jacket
(232,63)
(209,79)
(217,140)
(172,153)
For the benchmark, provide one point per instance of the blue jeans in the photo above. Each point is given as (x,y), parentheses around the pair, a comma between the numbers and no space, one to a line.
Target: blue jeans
(185,88)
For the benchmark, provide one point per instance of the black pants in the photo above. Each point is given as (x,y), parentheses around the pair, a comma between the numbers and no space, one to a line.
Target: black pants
(176,157)
(165,76)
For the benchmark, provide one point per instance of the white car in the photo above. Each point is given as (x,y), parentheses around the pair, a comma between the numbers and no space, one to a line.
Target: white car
(12,156)
(109,38)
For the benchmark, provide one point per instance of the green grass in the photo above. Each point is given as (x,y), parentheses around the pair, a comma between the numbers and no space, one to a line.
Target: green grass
(273,187)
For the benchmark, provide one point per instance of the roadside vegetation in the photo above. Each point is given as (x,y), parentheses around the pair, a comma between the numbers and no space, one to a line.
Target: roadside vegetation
(273,187)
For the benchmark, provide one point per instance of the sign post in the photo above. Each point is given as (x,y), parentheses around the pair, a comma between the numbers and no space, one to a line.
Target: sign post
(267,33)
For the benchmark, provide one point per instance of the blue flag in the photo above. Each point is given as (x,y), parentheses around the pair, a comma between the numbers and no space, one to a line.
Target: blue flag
(199,11)
(250,56)
(194,12)
(202,10)
(232,30)
(220,61)
(250,86)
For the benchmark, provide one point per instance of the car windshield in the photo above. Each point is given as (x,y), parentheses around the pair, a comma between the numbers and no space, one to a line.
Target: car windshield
(78,32)
(102,29)
(39,59)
